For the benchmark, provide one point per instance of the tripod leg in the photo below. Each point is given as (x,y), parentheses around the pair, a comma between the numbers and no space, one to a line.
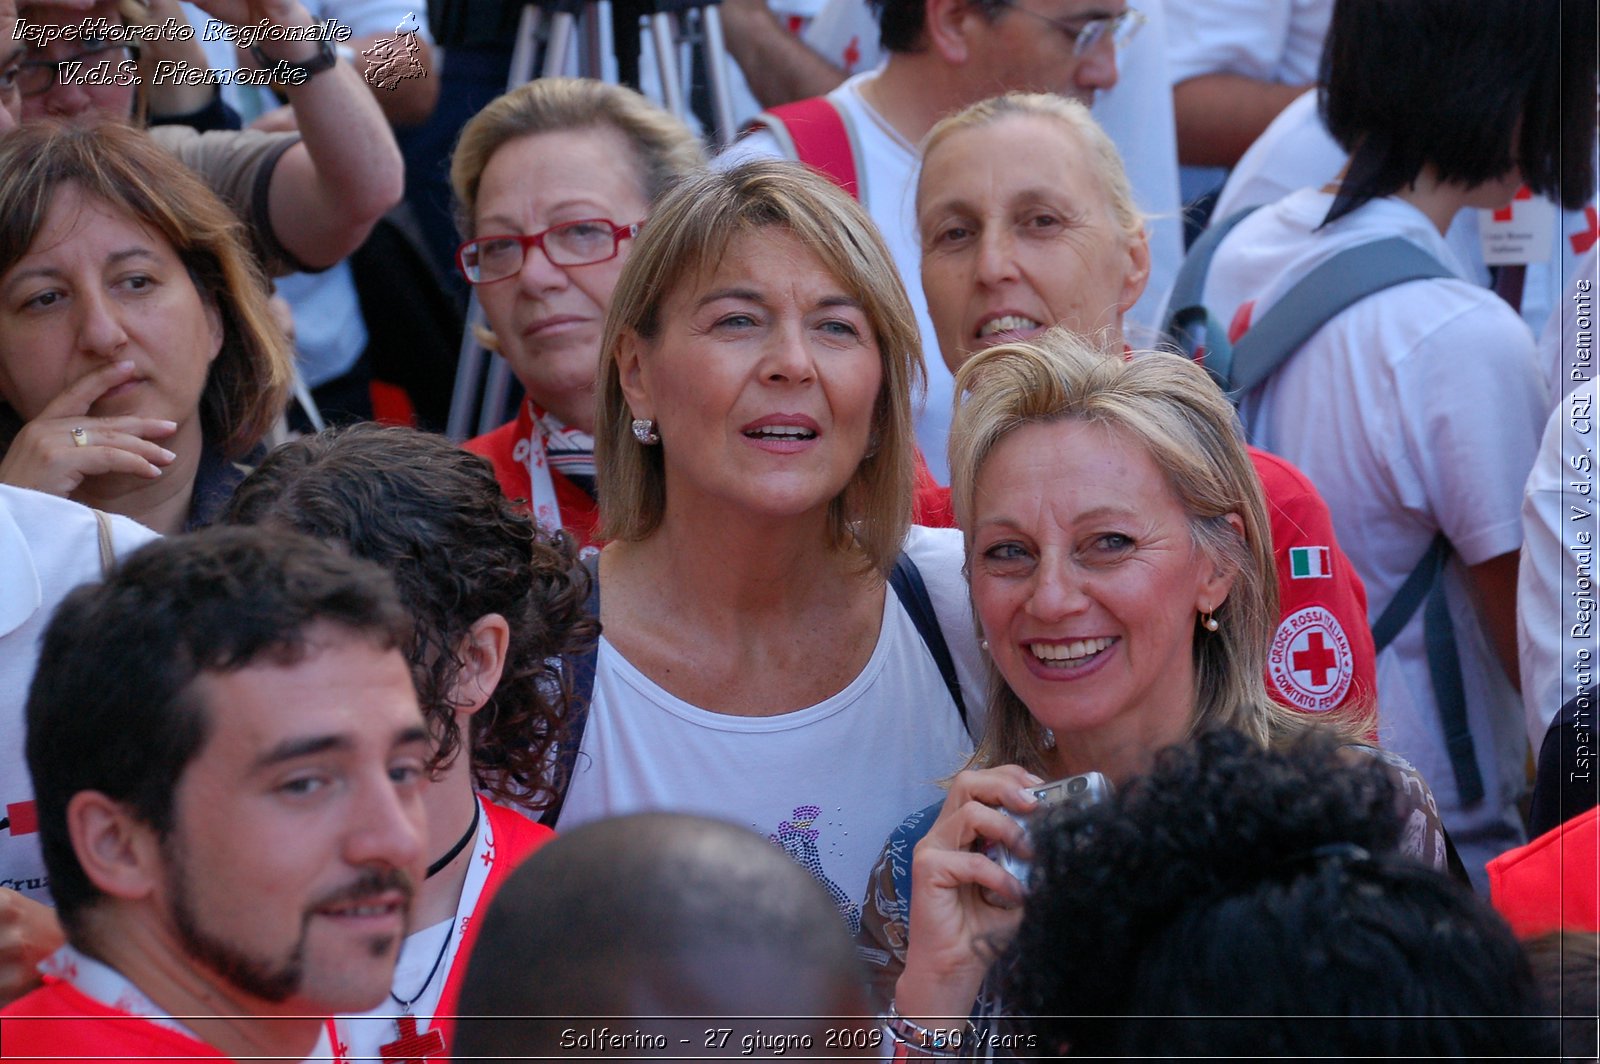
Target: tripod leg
(562,29)
(527,43)
(671,70)
(496,396)
(600,50)
(716,57)
(469,377)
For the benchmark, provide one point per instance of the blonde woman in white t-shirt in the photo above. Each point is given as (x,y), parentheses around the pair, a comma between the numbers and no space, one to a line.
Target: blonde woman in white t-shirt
(755,458)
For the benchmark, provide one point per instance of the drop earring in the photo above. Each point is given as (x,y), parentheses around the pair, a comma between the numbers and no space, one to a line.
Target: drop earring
(1210,621)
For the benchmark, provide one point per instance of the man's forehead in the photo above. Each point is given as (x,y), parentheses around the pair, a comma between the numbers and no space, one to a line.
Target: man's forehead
(1085,10)
(335,685)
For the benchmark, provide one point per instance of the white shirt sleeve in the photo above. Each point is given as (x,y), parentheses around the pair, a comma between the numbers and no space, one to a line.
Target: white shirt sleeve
(1474,406)
(1555,644)
(1269,40)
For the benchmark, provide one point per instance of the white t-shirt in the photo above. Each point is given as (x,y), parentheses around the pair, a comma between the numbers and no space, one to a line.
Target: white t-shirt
(1269,40)
(48,546)
(887,172)
(1297,151)
(1416,410)
(1566,346)
(1555,584)
(827,783)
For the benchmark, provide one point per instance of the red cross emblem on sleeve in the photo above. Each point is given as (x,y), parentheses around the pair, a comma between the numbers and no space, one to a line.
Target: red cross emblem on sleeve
(1310,662)
(411,1047)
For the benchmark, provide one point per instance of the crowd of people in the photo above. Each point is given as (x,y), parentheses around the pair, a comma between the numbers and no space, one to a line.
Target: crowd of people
(873,632)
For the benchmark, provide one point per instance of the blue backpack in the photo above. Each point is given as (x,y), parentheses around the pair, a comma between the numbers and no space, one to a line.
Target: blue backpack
(1341,281)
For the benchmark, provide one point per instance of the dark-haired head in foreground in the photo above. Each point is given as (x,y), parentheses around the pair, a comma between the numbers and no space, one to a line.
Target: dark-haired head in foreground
(660,915)
(228,759)
(494,601)
(1260,890)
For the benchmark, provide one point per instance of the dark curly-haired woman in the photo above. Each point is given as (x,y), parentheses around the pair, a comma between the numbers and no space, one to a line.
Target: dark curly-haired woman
(1255,903)
(495,603)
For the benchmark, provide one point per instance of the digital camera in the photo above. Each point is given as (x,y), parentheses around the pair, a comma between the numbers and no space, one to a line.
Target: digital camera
(1090,788)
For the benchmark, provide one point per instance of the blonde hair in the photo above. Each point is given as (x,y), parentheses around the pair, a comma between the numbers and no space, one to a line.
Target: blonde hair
(1068,112)
(1179,415)
(664,150)
(688,233)
(248,384)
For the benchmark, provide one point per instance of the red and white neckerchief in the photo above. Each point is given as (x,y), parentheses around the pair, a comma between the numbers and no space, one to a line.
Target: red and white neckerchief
(367,1036)
(533,449)
(108,986)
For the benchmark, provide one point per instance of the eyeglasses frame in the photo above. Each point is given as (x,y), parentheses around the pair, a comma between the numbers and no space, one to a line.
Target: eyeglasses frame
(55,65)
(619,233)
(1125,25)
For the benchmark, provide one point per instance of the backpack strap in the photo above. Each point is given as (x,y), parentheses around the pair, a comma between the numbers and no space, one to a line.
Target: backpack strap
(1425,584)
(1342,281)
(1189,325)
(108,549)
(582,691)
(817,133)
(913,594)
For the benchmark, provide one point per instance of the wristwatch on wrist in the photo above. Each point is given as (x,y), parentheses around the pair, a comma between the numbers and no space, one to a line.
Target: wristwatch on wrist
(326,58)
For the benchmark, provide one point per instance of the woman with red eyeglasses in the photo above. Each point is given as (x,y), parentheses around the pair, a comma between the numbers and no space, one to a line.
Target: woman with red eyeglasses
(552,181)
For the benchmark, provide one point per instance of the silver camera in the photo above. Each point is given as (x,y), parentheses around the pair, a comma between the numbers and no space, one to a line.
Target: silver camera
(1090,788)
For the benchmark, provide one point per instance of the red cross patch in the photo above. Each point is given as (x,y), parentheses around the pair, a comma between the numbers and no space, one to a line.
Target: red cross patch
(1310,663)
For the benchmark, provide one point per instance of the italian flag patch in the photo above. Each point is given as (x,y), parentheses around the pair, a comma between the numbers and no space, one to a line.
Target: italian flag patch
(1309,563)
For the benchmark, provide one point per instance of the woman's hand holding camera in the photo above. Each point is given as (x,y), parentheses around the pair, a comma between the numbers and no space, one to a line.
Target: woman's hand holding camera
(964,906)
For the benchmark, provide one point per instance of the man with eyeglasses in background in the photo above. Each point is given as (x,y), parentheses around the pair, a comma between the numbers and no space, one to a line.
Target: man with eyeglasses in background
(942,56)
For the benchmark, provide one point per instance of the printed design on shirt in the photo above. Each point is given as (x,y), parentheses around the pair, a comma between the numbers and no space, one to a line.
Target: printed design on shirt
(1310,662)
(798,837)
(1310,563)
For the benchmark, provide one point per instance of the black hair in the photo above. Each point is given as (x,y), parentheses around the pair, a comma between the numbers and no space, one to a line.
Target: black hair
(1470,89)
(901,23)
(1245,902)
(112,707)
(433,515)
